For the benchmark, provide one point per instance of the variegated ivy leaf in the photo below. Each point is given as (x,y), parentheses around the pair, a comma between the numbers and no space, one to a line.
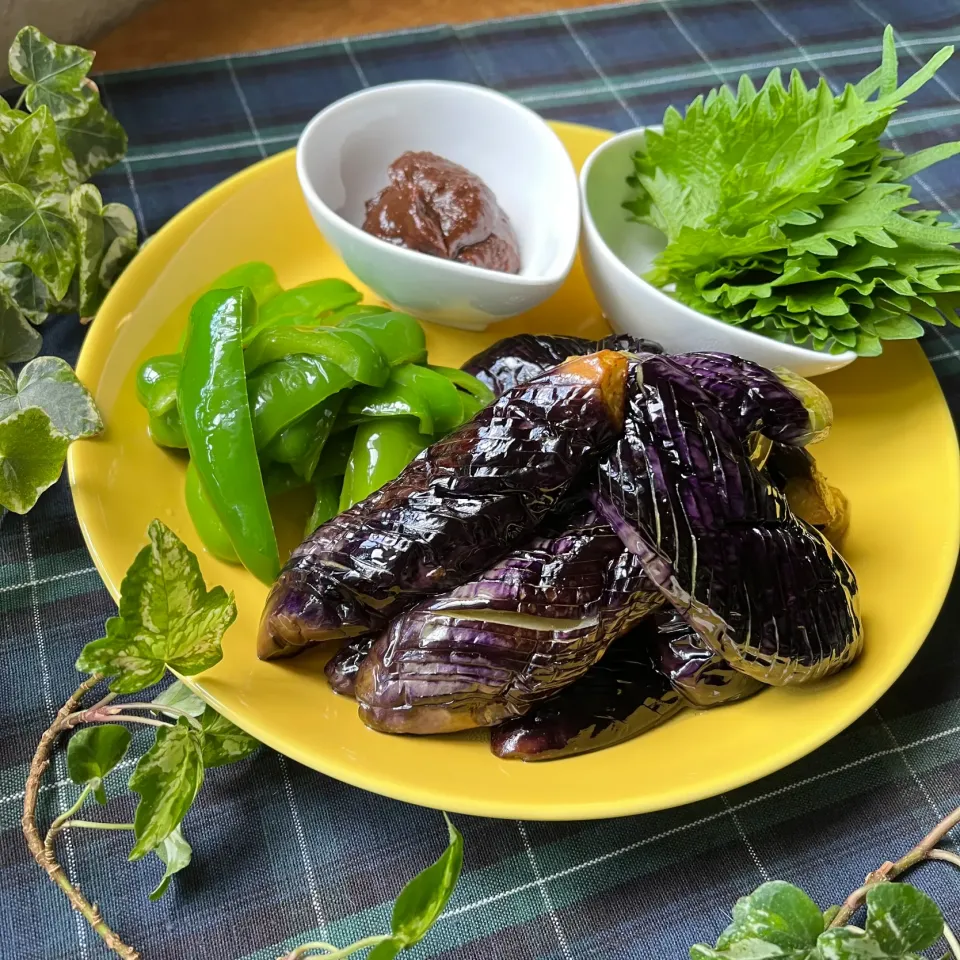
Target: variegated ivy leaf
(777,913)
(95,139)
(107,240)
(26,290)
(223,741)
(50,384)
(9,116)
(34,157)
(176,854)
(53,74)
(18,340)
(31,458)
(37,231)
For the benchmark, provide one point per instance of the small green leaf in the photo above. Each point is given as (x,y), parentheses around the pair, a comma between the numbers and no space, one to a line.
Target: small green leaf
(26,290)
(899,327)
(33,155)
(93,752)
(95,140)
(422,900)
(176,854)
(168,778)
(179,695)
(223,741)
(10,118)
(37,231)
(31,458)
(18,340)
(902,919)
(107,238)
(167,618)
(385,950)
(50,384)
(778,913)
(53,74)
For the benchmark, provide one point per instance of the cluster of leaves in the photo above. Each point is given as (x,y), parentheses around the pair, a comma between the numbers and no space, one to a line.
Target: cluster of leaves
(778,920)
(41,411)
(784,215)
(61,247)
(168,620)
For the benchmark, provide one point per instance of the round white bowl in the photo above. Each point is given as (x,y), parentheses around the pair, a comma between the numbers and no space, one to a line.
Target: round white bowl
(616,251)
(342,160)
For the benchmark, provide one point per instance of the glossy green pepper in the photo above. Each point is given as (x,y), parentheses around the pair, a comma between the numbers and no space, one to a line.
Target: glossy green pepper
(218,426)
(157,383)
(398,336)
(381,449)
(167,430)
(309,300)
(301,444)
(283,391)
(336,456)
(326,506)
(279,478)
(209,528)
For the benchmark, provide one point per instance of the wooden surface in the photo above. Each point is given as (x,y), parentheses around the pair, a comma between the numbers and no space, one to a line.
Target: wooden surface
(172,30)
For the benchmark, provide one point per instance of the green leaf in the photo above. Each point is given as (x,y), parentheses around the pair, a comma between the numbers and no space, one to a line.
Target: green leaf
(829,914)
(422,900)
(167,618)
(53,74)
(750,949)
(37,231)
(902,919)
(176,854)
(26,290)
(913,164)
(168,778)
(179,695)
(18,340)
(95,140)
(93,752)
(50,384)
(107,240)
(10,118)
(386,950)
(778,913)
(33,155)
(900,327)
(223,741)
(31,458)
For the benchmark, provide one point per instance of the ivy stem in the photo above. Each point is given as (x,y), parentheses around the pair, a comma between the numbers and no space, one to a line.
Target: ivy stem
(97,825)
(47,859)
(331,952)
(109,698)
(888,871)
(163,708)
(952,942)
(57,824)
(149,721)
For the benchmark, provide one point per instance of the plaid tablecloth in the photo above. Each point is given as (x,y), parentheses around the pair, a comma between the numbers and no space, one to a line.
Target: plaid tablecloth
(283,854)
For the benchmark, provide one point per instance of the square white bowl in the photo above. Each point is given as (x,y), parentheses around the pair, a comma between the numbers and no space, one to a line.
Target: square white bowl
(342,160)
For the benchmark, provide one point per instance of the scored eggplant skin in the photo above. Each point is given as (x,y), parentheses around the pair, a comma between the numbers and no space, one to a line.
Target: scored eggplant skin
(763,589)
(342,668)
(458,507)
(701,677)
(517,359)
(618,698)
(492,648)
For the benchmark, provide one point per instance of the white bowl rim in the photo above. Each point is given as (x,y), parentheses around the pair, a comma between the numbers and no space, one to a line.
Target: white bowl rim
(789,349)
(415,256)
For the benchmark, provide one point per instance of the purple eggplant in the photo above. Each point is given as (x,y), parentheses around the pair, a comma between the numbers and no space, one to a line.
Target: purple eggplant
(342,668)
(701,677)
(496,645)
(618,698)
(520,358)
(763,589)
(458,507)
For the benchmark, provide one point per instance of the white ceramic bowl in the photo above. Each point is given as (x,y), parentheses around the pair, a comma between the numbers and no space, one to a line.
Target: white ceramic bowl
(616,251)
(342,161)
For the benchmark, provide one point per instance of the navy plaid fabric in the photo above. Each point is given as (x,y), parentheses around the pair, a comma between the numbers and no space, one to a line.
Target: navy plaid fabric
(283,854)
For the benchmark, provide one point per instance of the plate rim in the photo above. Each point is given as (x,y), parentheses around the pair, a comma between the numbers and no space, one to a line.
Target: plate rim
(92,361)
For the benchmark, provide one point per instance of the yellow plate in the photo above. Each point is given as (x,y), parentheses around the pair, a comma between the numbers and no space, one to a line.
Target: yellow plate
(893,451)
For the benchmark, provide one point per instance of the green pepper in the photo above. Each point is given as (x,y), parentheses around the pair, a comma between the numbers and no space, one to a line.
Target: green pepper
(157,383)
(336,456)
(398,336)
(381,449)
(310,300)
(167,430)
(351,350)
(301,444)
(333,317)
(211,531)
(326,506)
(260,277)
(218,426)
(279,478)
(466,382)
(393,399)
(283,391)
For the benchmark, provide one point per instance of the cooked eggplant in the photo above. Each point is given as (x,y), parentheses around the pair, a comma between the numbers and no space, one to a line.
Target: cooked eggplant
(342,668)
(809,494)
(701,677)
(455,510)
(763,589)
(493,647)
(617,699)
(520,358)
